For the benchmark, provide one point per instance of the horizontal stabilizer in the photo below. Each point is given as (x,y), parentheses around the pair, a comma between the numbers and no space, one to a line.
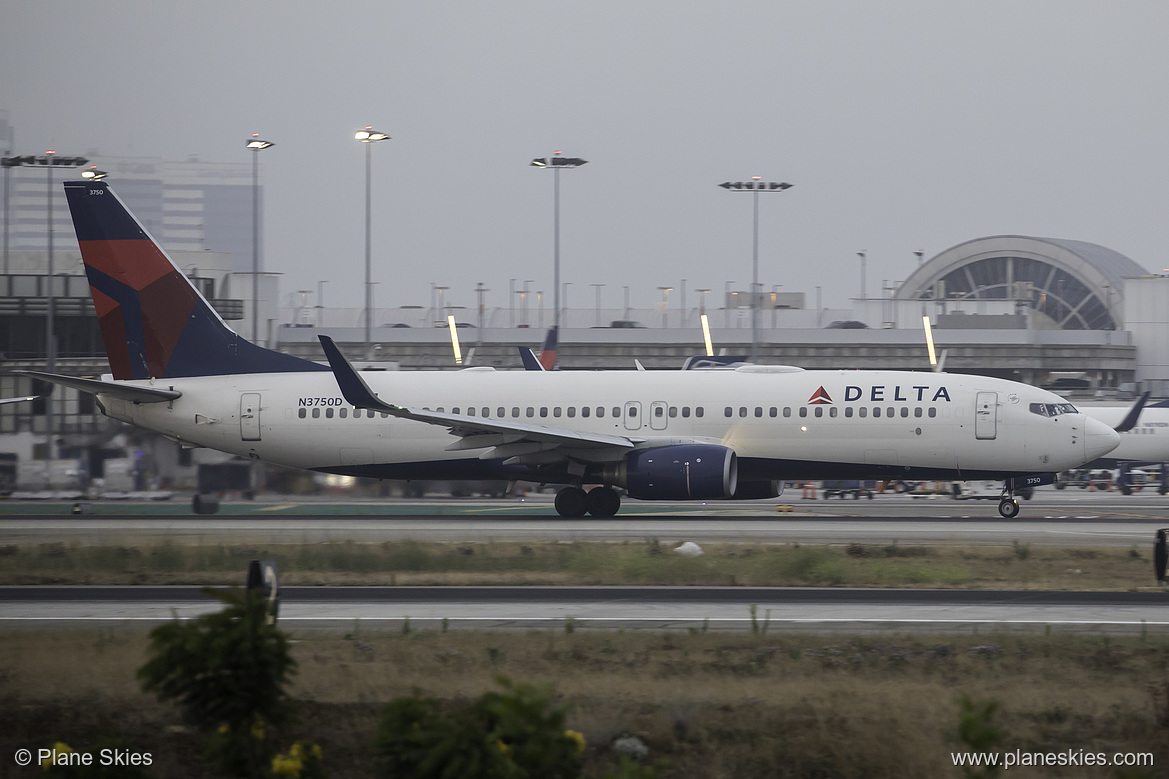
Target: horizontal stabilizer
(114,389)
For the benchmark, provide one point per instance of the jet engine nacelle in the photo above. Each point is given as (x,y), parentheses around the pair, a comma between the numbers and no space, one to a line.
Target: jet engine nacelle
(677,472)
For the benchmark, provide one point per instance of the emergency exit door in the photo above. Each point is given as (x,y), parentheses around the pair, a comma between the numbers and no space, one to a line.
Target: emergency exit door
(986,413)
(249,416)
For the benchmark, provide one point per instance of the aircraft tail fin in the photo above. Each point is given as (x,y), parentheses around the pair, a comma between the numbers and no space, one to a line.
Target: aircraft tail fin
(550,350)
(154,322)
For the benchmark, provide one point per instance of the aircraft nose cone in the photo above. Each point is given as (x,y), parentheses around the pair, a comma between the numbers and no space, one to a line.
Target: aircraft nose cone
(1099,439)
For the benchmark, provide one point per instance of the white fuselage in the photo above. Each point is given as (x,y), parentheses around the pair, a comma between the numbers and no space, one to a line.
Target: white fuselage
(874,420)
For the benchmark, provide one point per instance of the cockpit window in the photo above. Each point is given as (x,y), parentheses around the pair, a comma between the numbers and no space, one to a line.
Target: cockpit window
(1053,409)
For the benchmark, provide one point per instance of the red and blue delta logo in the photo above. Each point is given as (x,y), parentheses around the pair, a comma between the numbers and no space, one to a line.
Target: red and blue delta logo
(820,398)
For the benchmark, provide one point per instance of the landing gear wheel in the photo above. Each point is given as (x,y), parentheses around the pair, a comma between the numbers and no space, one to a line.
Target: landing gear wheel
(1009,508)
(572,502)
(603,501)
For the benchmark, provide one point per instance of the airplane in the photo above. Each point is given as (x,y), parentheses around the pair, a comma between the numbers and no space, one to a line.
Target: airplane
(178,369)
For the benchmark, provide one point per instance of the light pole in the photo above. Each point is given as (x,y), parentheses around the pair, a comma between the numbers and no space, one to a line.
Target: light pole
(755,186)
(556,163)
(564,299)
(665,305)
(256,145)
(702,300)
(864,291)
(480,290)
(598,287)
(368,136)
(48,161)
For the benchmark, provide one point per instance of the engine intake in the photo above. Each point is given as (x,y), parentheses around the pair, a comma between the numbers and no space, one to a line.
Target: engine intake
(677,472)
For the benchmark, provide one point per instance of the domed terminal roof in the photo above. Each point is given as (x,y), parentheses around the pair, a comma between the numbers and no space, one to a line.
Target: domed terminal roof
(1078,285)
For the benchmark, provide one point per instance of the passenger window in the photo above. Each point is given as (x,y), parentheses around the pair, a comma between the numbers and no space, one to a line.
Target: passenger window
(876,411)
(302,412)
(556,411)
(485,412)
(904,412)
(329,413)
(933,413)
(600,412)
(698,412)
(819,411)
(833,411)
(758,411)
(543,411)
(848,412)
(890,412)
(616,412)
(343,413)
(440,410)
(728,411)
(917,411)
(572,412)
(803,411)
(515,411)
(787,411)
(385,415)
(773,412)
(659,412)
(632,411)
(673,412)
(530,412)
(685,412)
(316,413)
(862,412)
(584,411)
(500,412)
(743,411)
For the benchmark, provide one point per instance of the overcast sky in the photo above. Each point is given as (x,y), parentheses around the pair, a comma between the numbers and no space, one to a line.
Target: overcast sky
(903,126)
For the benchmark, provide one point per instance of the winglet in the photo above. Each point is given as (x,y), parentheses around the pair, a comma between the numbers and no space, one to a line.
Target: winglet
(531,363)
(353,388)
(1134,413)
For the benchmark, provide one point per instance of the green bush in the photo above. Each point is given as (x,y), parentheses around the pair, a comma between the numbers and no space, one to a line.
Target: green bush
(227,671)
(516,732)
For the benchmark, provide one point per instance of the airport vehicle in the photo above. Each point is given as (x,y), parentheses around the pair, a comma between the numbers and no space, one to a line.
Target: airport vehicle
(178,369)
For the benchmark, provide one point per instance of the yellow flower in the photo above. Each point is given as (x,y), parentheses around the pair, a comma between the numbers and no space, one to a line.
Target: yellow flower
(286,765)
(296,751)
(58,748)
(223,729)
(258,729)
(504,748)
(578,738)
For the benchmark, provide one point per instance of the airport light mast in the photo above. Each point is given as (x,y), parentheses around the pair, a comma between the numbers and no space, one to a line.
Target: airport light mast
(256,145)
(368,136)
(556,163)
(49,161)
(755,186)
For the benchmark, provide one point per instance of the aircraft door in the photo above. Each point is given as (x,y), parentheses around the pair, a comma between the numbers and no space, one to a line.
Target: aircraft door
(249,416)
(986,412)
(632,415)
(659,415)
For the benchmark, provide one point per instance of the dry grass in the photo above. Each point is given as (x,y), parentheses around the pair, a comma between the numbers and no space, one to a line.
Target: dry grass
(638,563)
(713,705)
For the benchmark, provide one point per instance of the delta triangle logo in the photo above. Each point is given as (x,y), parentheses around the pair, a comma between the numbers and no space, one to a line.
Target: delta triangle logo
(820,398)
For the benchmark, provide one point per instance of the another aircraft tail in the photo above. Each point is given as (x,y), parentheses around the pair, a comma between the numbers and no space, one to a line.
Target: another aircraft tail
(154,322)
(549,351)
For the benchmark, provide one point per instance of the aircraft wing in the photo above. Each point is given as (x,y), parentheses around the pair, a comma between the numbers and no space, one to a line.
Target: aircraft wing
(521,443)
(118,389)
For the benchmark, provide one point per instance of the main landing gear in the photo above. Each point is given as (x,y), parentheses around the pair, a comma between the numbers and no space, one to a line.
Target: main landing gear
(599,501)
(1008,504)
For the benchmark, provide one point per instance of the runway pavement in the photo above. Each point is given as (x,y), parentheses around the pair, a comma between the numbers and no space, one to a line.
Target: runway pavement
(657,608)
(1066,518)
